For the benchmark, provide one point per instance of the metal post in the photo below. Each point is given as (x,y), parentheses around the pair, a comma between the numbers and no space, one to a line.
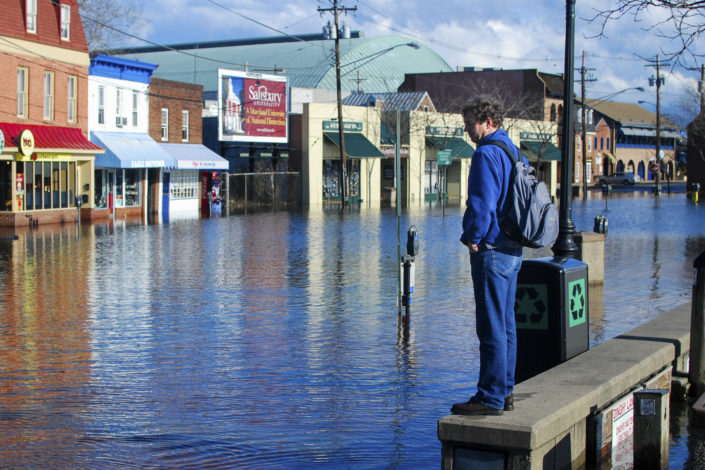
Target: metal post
(658,126)
(696,373)
(651,416)
(397,188)
(565,245)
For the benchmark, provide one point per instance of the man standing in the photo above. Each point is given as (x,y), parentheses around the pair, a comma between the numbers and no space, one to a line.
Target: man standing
(494,260)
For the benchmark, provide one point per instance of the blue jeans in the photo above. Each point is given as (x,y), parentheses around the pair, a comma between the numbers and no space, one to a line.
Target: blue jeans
(494,278)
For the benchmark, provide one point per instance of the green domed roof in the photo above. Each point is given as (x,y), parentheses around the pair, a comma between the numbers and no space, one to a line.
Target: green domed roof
(377,64)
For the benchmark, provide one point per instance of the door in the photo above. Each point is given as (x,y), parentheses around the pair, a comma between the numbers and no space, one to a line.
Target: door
(110,183)
(166,178)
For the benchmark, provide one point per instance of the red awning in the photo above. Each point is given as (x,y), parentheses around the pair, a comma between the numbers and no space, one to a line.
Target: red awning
(50,138)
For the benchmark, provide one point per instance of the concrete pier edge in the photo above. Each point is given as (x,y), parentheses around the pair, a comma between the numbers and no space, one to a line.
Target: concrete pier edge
(552,409)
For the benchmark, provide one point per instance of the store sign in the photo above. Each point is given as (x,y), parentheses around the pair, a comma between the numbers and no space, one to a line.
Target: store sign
(252,107)
(347,126)
(26,143)
(537,136)
(389,151)
(55,157)
(445,131)
(444,157)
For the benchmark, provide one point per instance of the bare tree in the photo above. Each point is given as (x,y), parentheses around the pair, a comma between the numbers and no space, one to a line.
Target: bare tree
(684,23)
(108,23)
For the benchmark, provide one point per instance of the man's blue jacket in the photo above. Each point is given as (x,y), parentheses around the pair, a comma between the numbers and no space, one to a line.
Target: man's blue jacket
(487,190)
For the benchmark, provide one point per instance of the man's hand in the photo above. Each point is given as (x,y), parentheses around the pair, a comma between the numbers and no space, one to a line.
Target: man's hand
(473,248)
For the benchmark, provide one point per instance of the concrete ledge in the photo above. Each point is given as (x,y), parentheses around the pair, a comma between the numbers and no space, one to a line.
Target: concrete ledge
(549,405)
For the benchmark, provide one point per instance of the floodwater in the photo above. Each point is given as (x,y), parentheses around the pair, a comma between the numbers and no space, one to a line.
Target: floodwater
(272,340)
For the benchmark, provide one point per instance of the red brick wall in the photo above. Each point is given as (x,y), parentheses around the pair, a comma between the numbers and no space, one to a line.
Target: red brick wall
(176,97)
(13,23)
(36,68)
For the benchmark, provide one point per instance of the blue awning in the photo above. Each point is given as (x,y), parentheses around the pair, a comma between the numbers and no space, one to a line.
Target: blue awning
(194,157)
(130,150)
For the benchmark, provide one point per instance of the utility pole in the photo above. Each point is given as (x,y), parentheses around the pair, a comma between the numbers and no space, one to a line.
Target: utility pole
(701,88)
(341,134)
(583,114)
(658,82)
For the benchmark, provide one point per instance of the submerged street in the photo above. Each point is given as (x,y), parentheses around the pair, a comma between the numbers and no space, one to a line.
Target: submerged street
(272,340)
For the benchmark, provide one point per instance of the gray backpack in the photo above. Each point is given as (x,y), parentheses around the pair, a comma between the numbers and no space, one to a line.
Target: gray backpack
(529,217)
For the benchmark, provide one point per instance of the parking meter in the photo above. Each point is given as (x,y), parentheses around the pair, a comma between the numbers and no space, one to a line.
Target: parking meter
(407,267)
(412,242)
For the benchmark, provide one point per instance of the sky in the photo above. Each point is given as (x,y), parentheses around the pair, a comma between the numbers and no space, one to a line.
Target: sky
(506,34)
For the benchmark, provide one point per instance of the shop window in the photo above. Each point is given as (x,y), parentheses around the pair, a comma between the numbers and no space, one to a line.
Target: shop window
(65,22)
(31,16)
(22,87)
(132,188)
(101,189)
(6,186)
(119,193)
(184,184)
(48,96)
(72,84)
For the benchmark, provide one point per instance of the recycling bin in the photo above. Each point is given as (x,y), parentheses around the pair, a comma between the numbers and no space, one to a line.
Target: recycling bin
(552,314)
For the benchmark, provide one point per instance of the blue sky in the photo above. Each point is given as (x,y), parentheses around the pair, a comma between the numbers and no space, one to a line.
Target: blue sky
(503,34)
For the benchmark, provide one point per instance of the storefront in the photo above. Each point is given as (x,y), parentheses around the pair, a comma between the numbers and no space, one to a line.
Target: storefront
(45,174)
(445,179)
(357,148)
(121,180)
(191,186)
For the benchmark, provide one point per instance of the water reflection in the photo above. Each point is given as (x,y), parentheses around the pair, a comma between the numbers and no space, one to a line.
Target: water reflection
(274,340)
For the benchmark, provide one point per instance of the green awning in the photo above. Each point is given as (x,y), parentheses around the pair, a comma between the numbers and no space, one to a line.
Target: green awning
(356,145)
(547,150)
(458,147)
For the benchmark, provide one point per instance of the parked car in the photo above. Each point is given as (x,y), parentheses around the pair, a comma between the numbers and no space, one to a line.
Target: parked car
(621,177)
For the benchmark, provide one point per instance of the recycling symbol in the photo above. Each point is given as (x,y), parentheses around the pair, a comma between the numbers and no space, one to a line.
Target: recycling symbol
(577,308)
(531,306)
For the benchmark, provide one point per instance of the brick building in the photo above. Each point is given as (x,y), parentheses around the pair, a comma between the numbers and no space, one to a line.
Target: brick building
(46,162)
(192,183)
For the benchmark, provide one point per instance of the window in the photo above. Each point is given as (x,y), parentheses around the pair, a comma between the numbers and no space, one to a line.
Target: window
(65,22)
(48,96)
(589,149)
(134,108)
(49,185)
(579,142)
(22,85)
(183,184)
(101,105)
(118,103)
(602,143)
(71,114)
(31,16)
(608,143)
(165,124)
(184,126)
(595,144)
(553,113)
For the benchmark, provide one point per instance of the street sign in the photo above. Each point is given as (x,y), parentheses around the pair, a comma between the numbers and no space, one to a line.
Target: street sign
(444,157)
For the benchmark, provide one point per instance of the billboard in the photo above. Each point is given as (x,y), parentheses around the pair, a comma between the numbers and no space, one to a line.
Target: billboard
(252,107)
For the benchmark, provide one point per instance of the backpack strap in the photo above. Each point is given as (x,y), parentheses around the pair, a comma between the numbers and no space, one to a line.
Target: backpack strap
(503,146)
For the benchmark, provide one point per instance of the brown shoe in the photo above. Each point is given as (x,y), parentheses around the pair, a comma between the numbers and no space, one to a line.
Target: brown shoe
(473,408)
(509,402)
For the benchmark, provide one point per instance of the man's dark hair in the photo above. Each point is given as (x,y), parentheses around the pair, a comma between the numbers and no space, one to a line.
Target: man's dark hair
(483,109)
